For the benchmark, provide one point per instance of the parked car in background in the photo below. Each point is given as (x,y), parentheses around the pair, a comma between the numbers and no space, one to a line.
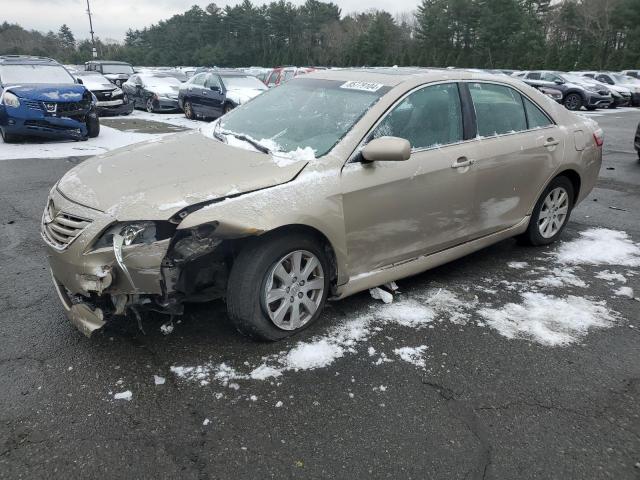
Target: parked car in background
(39,97)
(260,73)
(577,91)
(636,142)
(116,72)
(111,100)
(280,75)
(621,95)
(154,93)
(553,93)
(211,94)
(620,80)
(328,185)
(631,73)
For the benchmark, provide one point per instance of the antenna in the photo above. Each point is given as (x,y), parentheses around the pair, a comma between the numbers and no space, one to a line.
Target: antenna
(93,42)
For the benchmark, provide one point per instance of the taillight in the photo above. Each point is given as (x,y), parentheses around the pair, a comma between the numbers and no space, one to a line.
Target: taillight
(598,136)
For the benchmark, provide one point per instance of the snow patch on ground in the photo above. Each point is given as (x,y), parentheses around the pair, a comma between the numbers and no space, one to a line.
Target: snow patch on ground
(109,139)
(611,276)
(560,278)
(518,265)
(624,292)
(600,246)
(413,355)
(547,319)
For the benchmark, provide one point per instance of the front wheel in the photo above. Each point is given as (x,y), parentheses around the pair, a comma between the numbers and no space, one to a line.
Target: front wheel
(93,125)
(551,213)
(149,106)
(8,137)
(573,102)
(278,286)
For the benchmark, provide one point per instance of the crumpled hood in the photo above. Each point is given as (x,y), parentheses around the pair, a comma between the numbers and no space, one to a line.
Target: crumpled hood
(156,179)
(97,84)
(242,95)
(49,93)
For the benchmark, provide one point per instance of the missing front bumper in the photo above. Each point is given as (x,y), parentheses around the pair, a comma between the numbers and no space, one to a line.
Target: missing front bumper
(81,315)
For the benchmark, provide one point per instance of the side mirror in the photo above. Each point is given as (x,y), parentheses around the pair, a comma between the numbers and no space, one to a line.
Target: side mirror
(79,81)
(558,82)
(215,88)
(387,149)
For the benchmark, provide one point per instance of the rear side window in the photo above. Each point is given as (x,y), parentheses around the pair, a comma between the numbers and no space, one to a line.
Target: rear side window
(535,117)
(534,76)
(429,117)
(499,109)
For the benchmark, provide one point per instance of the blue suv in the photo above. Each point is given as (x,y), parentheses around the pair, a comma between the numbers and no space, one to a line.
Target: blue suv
(39,97)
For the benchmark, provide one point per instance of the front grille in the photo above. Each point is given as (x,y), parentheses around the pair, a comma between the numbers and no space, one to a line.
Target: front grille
(105,95)
(59,228)
(33,104)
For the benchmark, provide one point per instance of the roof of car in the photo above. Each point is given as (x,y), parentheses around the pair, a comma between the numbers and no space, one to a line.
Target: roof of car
(26,59)
(108,62)
(391,76)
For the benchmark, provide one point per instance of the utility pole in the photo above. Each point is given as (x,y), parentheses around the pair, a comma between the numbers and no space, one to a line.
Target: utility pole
(93,42)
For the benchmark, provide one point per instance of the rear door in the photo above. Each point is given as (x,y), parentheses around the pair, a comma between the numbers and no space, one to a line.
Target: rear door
(193,93)
(396,211)
(519,147)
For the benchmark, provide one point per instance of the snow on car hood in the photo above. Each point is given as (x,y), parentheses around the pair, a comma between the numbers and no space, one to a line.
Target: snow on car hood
(97,84)
(156,179)
(49,93)
(164,89)
(242,95)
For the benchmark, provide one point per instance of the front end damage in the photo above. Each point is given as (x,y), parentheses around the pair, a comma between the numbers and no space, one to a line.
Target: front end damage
(132,267)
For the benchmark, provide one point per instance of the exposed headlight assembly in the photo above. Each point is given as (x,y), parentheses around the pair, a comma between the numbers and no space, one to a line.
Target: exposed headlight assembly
(132,233)
(10,100)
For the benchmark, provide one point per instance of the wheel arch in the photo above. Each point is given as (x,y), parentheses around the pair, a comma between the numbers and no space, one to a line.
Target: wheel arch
(574,178)
(312,232)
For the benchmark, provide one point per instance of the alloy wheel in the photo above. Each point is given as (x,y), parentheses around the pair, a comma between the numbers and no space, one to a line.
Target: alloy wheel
(553,213)
(294,289)
(150,106)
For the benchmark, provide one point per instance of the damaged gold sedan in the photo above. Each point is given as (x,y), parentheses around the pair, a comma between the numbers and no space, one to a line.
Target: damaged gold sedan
(331,184)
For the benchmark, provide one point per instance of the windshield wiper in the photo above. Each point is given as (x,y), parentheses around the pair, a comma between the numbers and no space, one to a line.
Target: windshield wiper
(257,145)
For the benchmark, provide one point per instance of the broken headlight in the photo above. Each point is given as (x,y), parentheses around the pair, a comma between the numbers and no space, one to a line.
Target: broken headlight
(134,233)
(196,242)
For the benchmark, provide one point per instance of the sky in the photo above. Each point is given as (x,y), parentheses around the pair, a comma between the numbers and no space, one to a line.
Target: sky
(112,18)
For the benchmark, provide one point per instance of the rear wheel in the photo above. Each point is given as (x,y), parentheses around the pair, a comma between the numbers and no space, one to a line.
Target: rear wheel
(573,101)
(278,286)
(551,213)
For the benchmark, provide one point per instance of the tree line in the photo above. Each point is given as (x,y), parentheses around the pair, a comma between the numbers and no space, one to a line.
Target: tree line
(521,34)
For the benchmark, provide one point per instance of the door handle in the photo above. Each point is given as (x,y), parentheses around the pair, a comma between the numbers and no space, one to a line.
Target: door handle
(463,162)
(204,92)
(551,142)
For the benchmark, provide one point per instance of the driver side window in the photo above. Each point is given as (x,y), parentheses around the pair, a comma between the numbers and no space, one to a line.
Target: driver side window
(429,117)
(212,81)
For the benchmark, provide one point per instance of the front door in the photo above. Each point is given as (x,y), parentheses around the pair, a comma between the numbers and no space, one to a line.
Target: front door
(396,211)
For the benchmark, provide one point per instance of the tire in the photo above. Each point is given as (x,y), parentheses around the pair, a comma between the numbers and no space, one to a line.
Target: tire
(149,106)
(8,137)
(93,125)
(536,234)
(254,274)
(188,110)
(227,108)
(573,102)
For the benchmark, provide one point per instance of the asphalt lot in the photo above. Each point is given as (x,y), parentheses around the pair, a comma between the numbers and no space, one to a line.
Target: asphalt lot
(481,406)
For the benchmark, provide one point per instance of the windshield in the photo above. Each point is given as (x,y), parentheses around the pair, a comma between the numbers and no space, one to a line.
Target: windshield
(303,114)
(569,77)
(624,78)
(243,82)
(160,81)
(115,68)
(10,74)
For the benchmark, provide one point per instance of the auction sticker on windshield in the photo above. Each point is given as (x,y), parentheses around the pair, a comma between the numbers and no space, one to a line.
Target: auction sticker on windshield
(366,86)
